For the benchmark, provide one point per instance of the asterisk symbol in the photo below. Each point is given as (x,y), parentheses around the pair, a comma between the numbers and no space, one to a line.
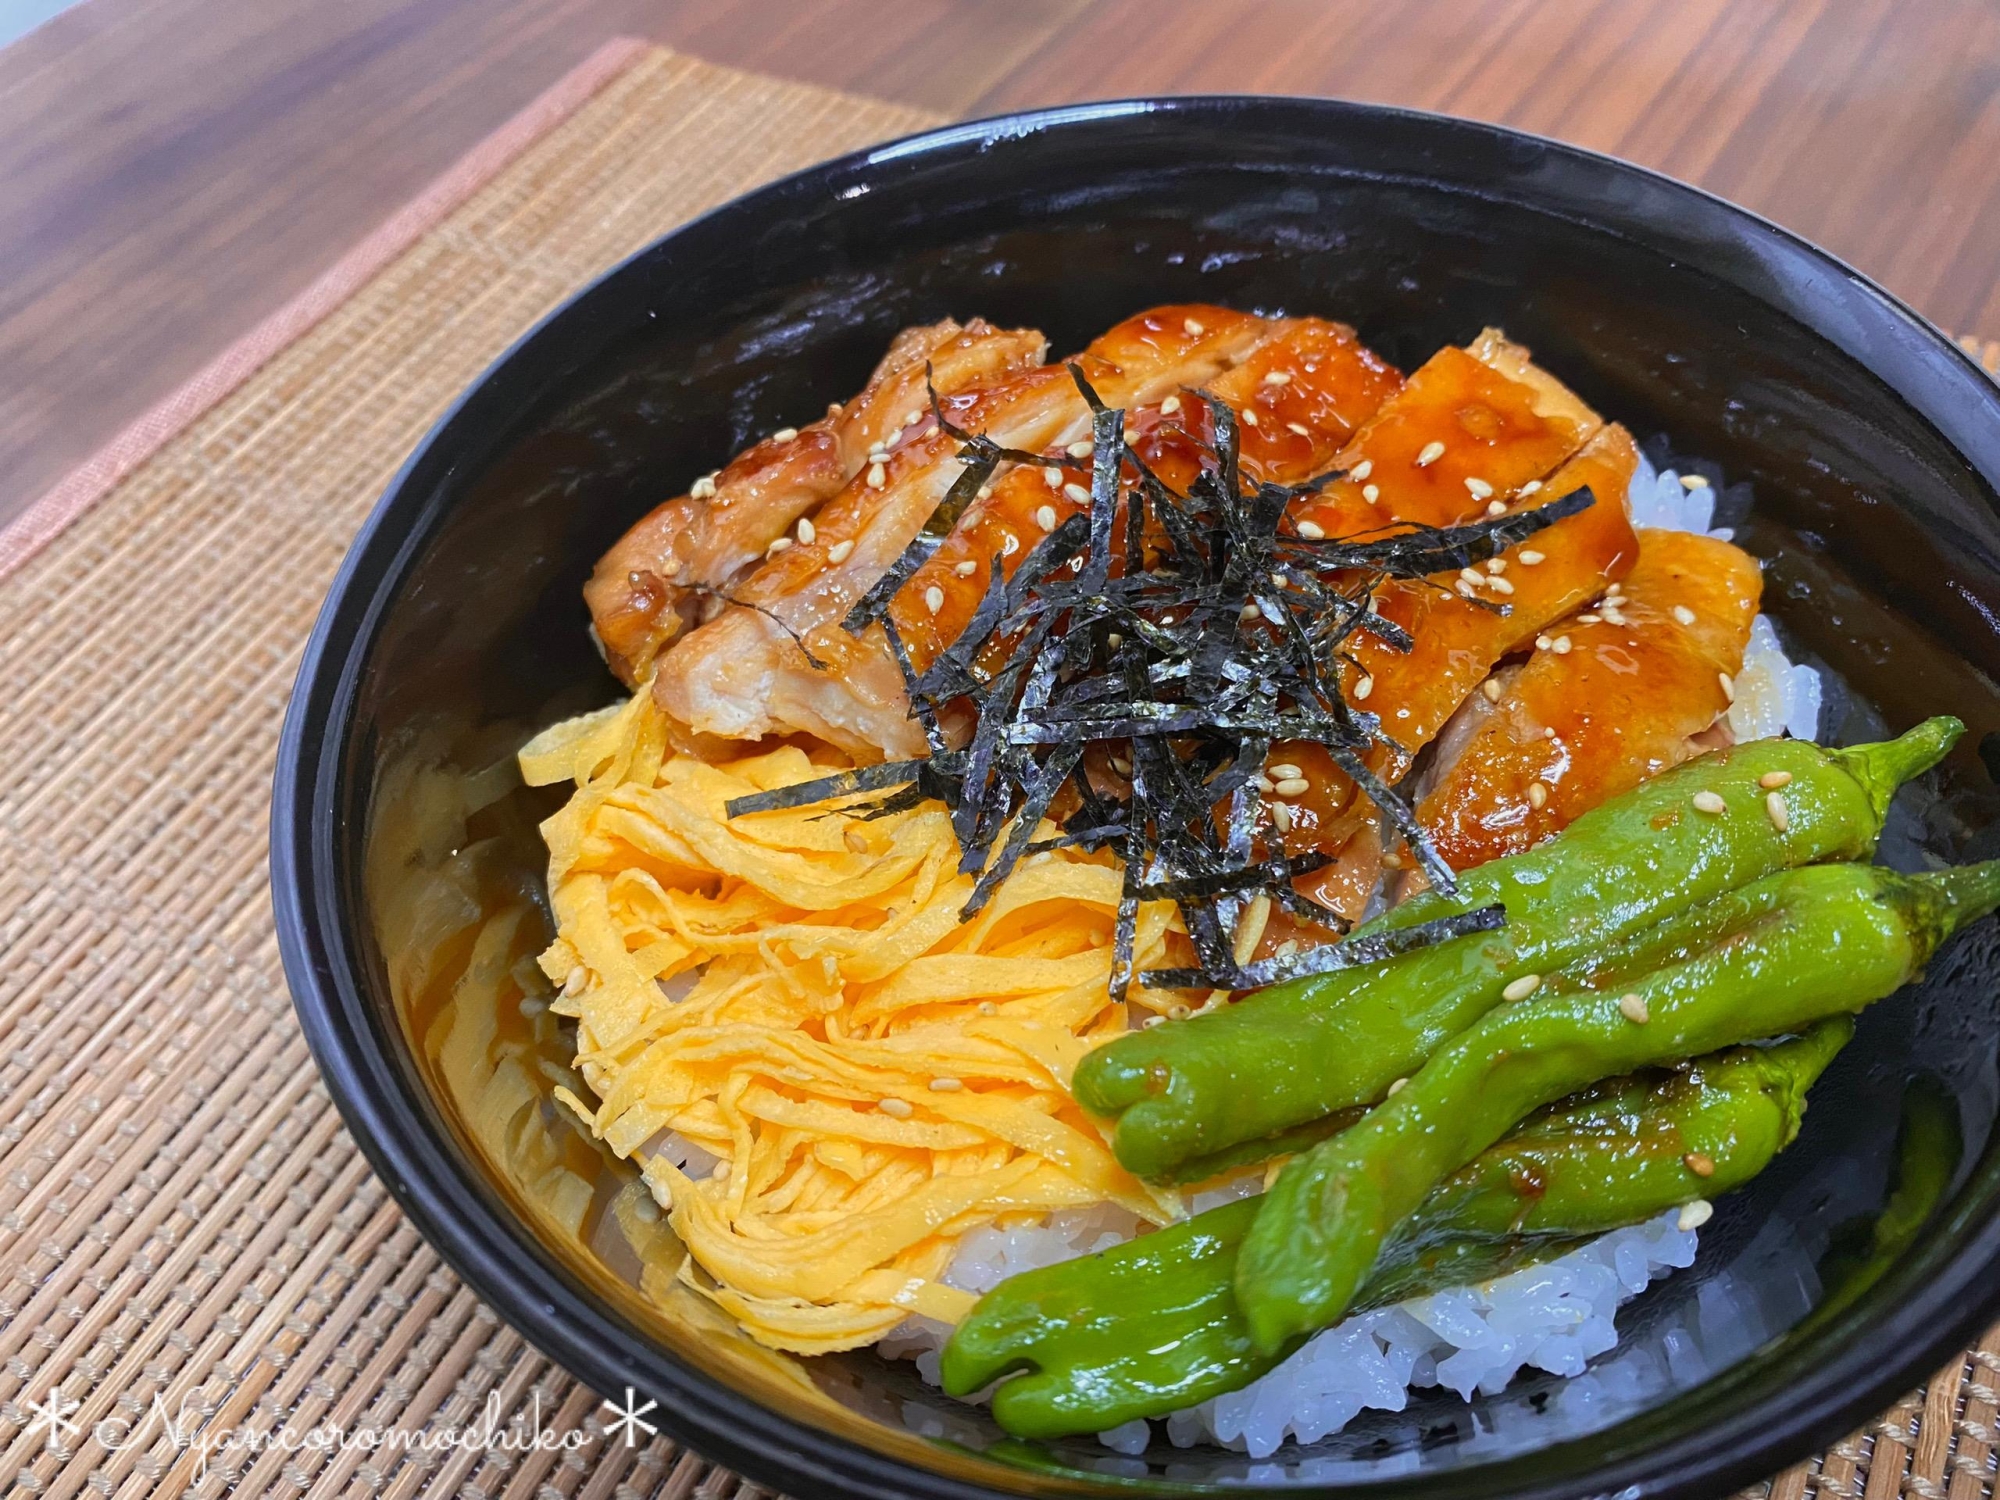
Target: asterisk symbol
(54,1415)
(631,1418)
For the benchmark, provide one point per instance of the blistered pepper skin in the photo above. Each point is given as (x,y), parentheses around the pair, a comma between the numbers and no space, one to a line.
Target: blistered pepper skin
(1296,1052)
(1775,956)
(1152,1325)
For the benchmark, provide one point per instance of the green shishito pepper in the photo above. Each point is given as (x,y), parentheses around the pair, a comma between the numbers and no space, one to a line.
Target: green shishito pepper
(1152,1325)
(1775,956)
(1184,1092)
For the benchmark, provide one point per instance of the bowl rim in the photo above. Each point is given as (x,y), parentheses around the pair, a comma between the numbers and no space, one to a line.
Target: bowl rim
(501,1259)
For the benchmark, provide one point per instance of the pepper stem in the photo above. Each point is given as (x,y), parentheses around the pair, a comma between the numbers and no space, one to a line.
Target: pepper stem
(1958,896)
(1881,768)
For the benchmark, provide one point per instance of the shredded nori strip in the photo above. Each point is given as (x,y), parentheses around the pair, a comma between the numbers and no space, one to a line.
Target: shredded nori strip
(1161,667)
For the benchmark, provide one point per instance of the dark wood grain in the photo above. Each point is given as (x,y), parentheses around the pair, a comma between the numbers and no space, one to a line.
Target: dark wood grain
(172,170)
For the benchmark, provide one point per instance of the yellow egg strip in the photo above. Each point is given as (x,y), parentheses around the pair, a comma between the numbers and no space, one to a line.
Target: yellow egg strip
(794,994)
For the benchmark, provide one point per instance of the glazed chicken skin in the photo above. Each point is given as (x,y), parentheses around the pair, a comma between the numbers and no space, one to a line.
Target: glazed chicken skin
(646,590)
(745,674)
(1299,397)
(1610,698)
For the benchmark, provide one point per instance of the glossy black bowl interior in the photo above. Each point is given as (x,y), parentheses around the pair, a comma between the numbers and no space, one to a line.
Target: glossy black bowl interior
(1868,450)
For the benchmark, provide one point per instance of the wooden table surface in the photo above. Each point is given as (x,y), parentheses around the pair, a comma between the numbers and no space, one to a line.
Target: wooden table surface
(173,170)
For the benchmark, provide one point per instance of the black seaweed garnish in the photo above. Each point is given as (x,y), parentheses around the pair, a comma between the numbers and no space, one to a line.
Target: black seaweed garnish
(1141,707)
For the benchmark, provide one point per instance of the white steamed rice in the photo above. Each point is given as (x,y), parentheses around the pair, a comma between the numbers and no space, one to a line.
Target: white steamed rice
(1554,1317)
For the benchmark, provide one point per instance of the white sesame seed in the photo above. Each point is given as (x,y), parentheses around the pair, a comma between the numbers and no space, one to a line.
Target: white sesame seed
(1531,487)
(1009,544)
(1530,558)
(1728,686)
(1589,619)
(1694,1215)
(1491,688)
(1683,614)
(839,552)
(855,840)
(1281,817)
(702,489)
(878,454)
(1693,482)
(1169,406)
(1496,564)
(1548,731)
(1114,640)
(1612,616)
(1523,987)
(1710,803)
(1293,786)
(1151,1021)
(1363,469)
(1266,785)
(1499,585)
(1194,329)
(806,530)
(1779,814)
(946,1085)
(1480,489)
(1288,947)
(1166,619)
(1312,531)
(1053,478)
(1278,580)
(988,1008)
(1538,795)
(1770,781)
(965,569)
(1300,428)
(778,546)
(1432,452)
(900,1109)
(1542,643)
(1121,765)
(913,416)
(1249,417)
(877,476)
(1046,518)
(1371,492)
(1465,588)
(1277,377)
(1250,612)
(1079,449)
(785,435)
(1560,645)
(1472,576)
(934,598)
(1396,1088)
(674,569)
(1077,493)
(1179,1012)
(986,492)
(575,980)
(1496,507)
(1633,1007)
(1363,688)
(1700,1163)
(1281,770)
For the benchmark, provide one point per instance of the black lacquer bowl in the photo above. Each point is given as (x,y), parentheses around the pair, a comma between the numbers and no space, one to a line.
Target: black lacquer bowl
(407,873)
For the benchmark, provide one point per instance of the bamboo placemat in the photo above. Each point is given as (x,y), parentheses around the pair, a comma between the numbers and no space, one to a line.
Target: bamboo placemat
(182,1217)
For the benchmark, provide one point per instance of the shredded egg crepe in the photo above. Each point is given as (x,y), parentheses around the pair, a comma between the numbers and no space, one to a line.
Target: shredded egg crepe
(875,1076)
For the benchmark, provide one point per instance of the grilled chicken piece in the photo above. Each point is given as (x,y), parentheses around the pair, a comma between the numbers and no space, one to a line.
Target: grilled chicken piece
(1610,698)
(644,591)
(1457,644)
(1326,384)
(743,675)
